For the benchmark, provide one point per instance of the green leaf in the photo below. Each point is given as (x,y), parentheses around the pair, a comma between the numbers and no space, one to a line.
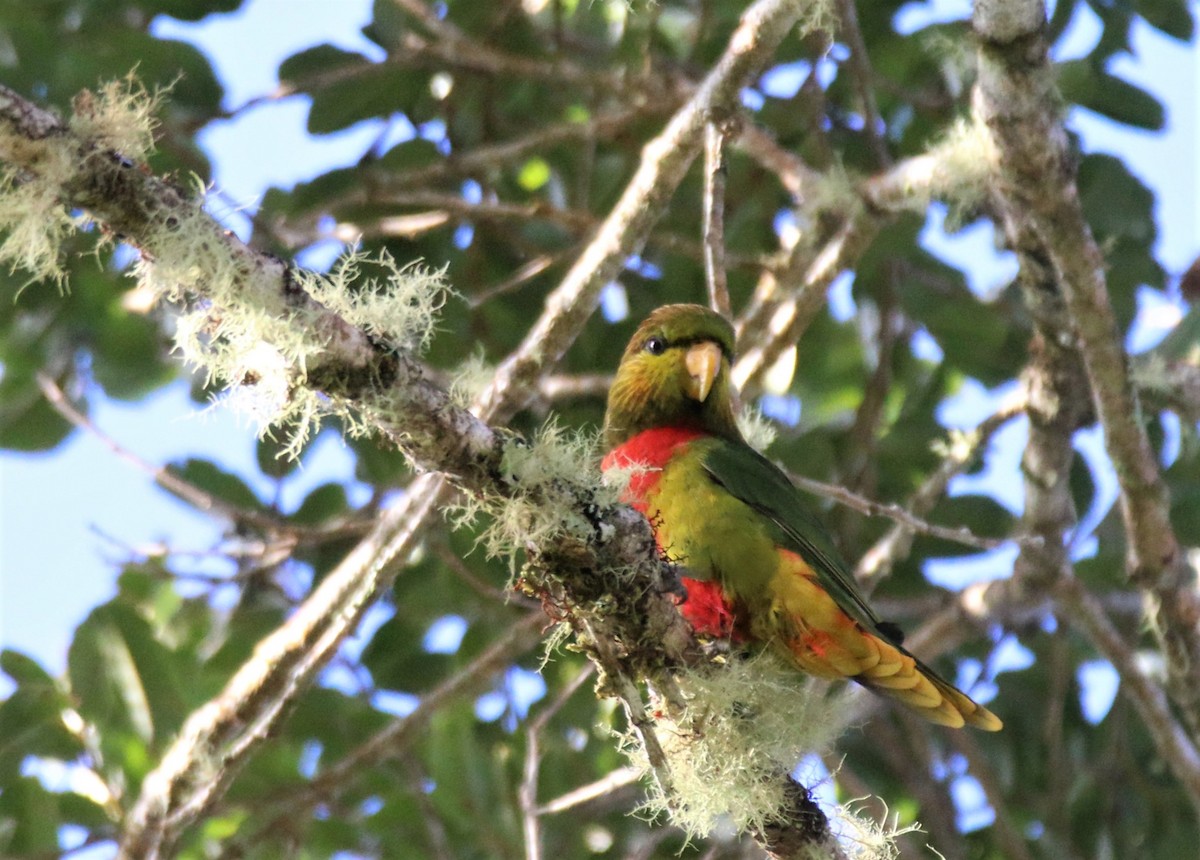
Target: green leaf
(159,62)
(339,722)
(302,70)
(1173,17)
(324,502)
(1121,212)
(27,421)
(124,678)
(1082,484)
(1115,202)
(389,23)
(977,337)
(982,515)
(24,669)
(211,478)
(377,464)
(534,174)
(410,154)
(465,777)
(31,724)
(219,827)
(311,196)
(274,459)
(378,91)
(129,355)
(1184,480)
(249,623)
(83,812)
(28,819)
(346,87)
(1088,86)
(397,661)
(190,10)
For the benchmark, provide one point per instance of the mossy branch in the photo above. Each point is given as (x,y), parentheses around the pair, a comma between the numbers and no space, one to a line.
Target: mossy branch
(603,557)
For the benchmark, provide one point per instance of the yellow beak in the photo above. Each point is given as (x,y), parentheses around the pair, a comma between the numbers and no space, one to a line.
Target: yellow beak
(703,364)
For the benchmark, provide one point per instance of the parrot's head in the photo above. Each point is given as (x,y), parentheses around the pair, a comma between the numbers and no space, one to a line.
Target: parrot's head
(674,373)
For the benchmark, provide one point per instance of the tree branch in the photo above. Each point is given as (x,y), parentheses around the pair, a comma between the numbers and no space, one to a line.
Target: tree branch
(1178,751)
(800,290)
(1016,98)
(713,229)
(396,738)
(664,162)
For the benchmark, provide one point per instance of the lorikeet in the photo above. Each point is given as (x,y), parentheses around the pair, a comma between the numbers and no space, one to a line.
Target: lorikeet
(758,568)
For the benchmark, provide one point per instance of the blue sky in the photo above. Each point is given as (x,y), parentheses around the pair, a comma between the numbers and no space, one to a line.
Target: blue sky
(67,517)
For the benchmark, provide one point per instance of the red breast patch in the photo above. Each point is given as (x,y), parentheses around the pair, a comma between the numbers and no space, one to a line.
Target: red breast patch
(650,450)
(705,608)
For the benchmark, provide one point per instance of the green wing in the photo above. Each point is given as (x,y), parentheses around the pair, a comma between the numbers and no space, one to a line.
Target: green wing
(753,479)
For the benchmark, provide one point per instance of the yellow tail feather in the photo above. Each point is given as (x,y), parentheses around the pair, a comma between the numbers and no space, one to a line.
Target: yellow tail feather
(821,639)
(936,700)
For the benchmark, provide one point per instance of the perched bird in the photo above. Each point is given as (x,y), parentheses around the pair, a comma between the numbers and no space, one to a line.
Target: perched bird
(758,568)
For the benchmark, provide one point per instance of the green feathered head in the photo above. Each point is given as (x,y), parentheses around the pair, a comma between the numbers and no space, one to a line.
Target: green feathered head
(674,373)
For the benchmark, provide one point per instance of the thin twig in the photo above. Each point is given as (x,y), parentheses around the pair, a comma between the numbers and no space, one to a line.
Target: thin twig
(527,791)
(488,156)
(802,284)
(455,47)
(218,738)
(880,341)
(574,221)
(896,513)
(531,829)
(714,218)
(523,275)
(199,499)
(521,635)
(458,567)
(1178,751)
(561,386)
(961,451)
(864,80)
(396,738)
(793,172)
(607,784)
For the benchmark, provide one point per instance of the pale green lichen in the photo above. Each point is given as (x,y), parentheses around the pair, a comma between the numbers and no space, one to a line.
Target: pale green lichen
(244,333)
(470,379)
(32,217)
(957,56)
(958,169)
(250,338)
(969,159)
(121,115)
(259,353)
(35,224)
(757,429)
(400,307)
(747,724)
(33,220)
(546,479)
(832,190)
(864,838)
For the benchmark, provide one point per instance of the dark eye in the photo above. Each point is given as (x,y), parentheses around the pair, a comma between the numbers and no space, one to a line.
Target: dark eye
(656,346)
